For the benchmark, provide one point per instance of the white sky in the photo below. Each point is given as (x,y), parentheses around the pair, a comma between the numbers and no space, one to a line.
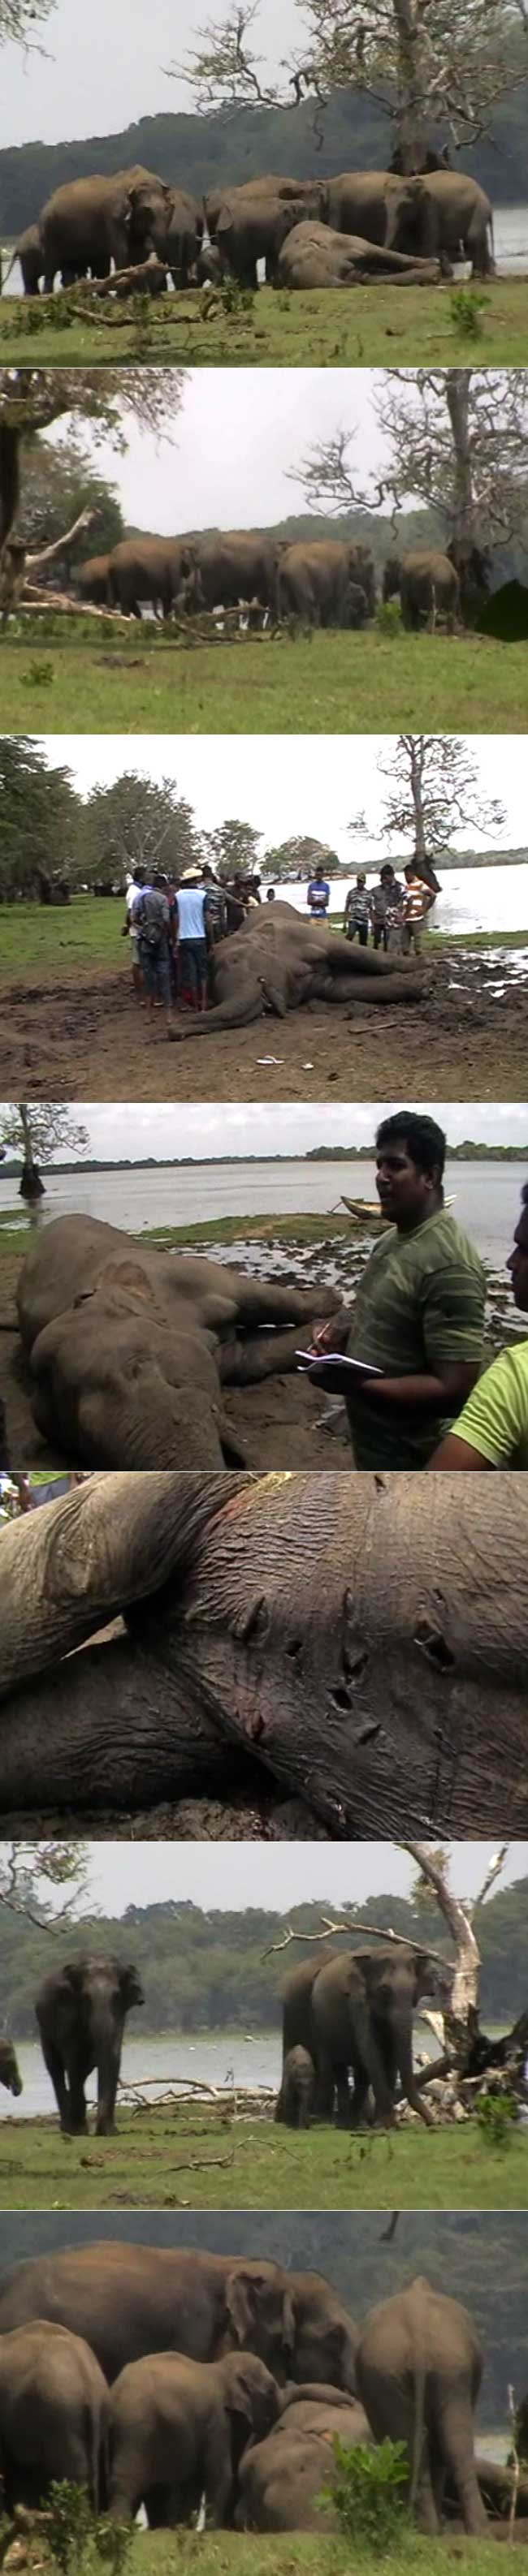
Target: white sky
(238,435)
(282,785)
(118,1129)
(103,67)
(236,1875)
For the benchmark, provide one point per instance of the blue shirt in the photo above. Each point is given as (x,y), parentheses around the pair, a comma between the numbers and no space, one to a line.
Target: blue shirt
(318,897)
(191,901)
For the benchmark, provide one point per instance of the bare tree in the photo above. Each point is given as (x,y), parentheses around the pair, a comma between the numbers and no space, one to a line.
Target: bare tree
(37,1132)
(434,793)
(32,399)
(456,440)
(461,2015)
(18,19)
(428,66)
(29,1870)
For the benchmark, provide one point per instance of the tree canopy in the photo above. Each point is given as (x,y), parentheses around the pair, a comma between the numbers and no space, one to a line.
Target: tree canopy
(440,70)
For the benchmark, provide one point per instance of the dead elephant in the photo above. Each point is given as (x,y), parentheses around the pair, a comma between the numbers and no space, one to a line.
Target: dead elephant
(277,962)
(315,256)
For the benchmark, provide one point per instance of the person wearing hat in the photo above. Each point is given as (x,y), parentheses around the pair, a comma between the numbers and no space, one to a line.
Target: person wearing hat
(192,936)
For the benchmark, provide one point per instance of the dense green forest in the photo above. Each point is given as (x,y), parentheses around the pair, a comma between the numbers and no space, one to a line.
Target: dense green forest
(482,2260)
(208,1972)
(201,152)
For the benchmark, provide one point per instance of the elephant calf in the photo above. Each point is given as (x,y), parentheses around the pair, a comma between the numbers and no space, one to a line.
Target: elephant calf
(295,2101)
(280,2480)
(53,2414)
(177,2432)
(80,2010)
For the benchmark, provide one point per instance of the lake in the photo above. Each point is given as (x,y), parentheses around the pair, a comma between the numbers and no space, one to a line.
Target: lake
(211,2059)
(472,899)
(511,247)
(486,1195)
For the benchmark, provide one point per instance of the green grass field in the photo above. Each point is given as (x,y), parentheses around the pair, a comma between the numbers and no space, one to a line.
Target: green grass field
(292,2553)
(113,681)
(195,2158)
(367,326)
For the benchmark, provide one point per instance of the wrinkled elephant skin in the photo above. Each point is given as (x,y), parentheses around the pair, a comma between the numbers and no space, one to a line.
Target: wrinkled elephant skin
(277,962)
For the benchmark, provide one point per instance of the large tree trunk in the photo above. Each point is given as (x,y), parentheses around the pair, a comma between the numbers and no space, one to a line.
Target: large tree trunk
(411,113)
(31,1187)
(372,1655)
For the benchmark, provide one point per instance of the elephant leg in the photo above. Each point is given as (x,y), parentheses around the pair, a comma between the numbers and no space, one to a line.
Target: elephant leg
(360,2100)
(258,1303)
(402,2042)
(343,2110)
(53,2063)
(365,2041)
(161,2508)
(78,2120)
(455,2437)
(324,2095)
(234,1014)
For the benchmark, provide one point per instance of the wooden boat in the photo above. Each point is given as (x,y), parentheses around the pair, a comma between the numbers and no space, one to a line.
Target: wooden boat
(370,1212)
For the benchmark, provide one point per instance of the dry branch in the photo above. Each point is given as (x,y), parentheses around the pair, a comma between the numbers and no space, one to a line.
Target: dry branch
(374,1931)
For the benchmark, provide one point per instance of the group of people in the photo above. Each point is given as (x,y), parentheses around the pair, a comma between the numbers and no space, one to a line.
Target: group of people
(173,927)
(419,1320)
(394,912)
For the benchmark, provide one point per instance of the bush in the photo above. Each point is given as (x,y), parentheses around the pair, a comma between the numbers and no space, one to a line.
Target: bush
(367,2494)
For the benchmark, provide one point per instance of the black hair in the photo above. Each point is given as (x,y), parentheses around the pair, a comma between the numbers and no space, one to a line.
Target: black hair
(426,1142)
(387,870)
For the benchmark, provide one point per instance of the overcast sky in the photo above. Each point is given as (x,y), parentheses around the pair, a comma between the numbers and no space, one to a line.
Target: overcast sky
(282,786)
(230,448)
(104,68)
(118,1129)
(236,1875)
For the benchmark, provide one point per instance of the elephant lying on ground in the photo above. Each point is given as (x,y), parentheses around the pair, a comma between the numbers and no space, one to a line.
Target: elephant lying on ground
(277,962)
(129,1346)
(152,568)
(9,2069)
(314,256)
(177,2432)
(383,1680)
(419,2368)
(320,582)
(280,2480)
(81,2009)
(53,2414)
(427,583)
(130,2300)
(295,2100)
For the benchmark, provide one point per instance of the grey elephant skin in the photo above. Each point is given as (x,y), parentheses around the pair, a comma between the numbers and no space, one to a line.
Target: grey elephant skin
(177,2431)
(132,2300)
(147,568)
(280,2480)
(29,253)
(395,1688)
(9,2069)
(128,1347)
(320,583)
(53,2414)
(234,566)
(91,579)
(419,2368)
(81,2010)
(277,962)
(295,2100)
(87,223)
(314,255)
(426,582)
(437,215)
(354,2011)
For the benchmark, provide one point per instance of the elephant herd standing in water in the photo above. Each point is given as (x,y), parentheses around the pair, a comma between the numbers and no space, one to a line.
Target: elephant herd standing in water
(158,2377)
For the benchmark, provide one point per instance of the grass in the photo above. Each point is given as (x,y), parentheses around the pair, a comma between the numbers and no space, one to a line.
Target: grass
(37,943)
(371,326)
(118,682)
(294,2553)
(186,2157)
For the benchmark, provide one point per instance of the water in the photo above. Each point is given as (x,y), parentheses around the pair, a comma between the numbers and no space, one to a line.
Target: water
(511,247)
(486,1196)
(208,2058)
(472,899)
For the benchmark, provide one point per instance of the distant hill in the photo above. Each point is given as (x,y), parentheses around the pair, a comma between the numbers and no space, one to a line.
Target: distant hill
(202,152)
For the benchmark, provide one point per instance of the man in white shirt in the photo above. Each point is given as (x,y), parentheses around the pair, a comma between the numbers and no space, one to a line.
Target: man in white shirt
(191,925)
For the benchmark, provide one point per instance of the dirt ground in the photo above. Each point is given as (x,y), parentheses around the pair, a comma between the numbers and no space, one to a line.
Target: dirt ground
(89,1041)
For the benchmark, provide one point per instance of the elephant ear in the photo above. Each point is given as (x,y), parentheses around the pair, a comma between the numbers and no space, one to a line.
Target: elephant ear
(130,1988)
(250,2295)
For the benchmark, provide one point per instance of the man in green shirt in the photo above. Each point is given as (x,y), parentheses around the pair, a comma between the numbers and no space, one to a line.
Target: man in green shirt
(419,1310)
(492,1430)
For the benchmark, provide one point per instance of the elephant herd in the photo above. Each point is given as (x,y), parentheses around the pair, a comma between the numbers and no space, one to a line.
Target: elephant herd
(159,2377)
(307,233)
(317,583)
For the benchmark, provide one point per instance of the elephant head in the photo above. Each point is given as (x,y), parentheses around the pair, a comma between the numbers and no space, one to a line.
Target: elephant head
(149,213)
(117,1383)
(251,2398)
(325,2337)
(259,2316)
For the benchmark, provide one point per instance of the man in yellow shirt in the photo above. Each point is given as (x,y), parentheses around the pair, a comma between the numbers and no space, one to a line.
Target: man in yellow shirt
(492,1430)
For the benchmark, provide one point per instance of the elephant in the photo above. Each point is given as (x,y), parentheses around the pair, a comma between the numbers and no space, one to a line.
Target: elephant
(180,242)
(435,215)
(87,223)
(81,2009)
(177,2431)
(294,2102)
(313,255)
(28,251)
(235,565)
(427,582)
(318,581)
(307,194)
(419,2368)
(277,962)
(10,2074)
(148,568)
(280,2480)
(252,228)
(91,579)
(381,1674)
(380,207)
(458,216)
(361,2017)
(129,1346)
(132,2300)
(54,2411)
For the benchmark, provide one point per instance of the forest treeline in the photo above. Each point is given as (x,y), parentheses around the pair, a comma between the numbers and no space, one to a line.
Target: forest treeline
(469,1152)
(482,2259)
(208,1971)
(202,152)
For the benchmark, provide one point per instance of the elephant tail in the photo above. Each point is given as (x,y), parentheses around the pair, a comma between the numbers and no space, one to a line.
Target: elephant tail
(419,2372)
